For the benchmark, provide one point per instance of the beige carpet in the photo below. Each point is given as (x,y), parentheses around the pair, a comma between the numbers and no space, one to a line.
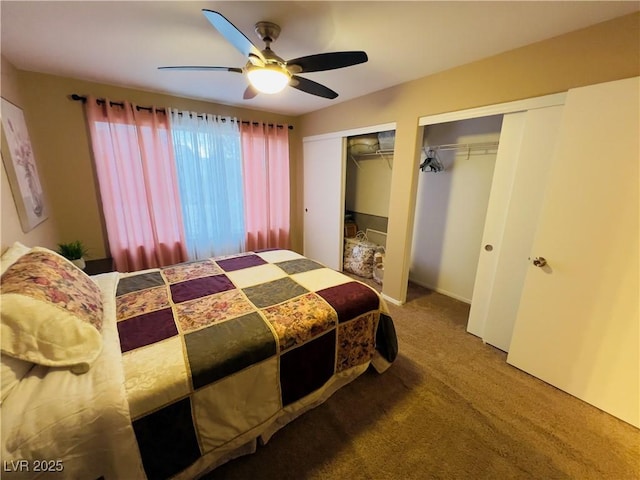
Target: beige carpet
(449,408)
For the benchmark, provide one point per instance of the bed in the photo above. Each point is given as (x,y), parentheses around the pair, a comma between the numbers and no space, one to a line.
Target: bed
(170,372)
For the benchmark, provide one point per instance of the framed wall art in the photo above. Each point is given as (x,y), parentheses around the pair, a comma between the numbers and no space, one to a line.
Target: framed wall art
(20,166)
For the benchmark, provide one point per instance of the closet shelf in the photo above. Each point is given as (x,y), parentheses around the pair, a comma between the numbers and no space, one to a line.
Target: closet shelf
(465,146)
(384,154)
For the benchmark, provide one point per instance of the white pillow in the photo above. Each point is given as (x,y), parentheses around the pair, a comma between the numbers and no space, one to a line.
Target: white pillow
(11,254)
(12,370)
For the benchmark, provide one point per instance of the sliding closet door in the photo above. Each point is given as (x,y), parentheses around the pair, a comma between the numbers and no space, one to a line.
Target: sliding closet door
(324,172)
(495,220)
(527,144)
(529,141)
(578,325)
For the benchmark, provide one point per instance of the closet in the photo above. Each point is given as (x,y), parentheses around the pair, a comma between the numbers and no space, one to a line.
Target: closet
(489,209)
(457,165)
(557,277)
(368,183)
(325,159)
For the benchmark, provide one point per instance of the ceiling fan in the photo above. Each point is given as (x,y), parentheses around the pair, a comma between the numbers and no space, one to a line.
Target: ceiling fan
(266,71)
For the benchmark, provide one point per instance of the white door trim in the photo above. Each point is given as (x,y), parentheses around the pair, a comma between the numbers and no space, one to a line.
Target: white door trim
(383,127)
(497,109)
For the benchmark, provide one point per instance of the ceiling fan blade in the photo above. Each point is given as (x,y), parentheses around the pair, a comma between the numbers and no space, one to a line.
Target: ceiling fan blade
(250,93)
(314,88)
(232,34)
(326,61)
(201,67)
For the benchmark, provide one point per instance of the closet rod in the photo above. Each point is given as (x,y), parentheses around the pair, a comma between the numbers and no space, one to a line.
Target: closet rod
(466,146)
(83,99)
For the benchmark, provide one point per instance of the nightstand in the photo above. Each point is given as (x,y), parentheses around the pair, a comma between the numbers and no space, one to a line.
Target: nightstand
(101,265)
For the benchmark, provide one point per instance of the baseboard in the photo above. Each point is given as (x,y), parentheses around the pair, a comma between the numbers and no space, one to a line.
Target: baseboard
(392,300)
(442,291)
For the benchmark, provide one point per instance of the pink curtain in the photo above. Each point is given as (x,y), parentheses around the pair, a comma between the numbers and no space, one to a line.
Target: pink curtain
(138,187)
(265,162)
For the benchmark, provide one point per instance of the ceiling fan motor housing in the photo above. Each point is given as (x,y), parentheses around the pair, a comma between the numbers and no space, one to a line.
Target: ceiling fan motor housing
(267,31)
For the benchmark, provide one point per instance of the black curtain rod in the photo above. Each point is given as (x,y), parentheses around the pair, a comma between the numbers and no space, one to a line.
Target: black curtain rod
(83,99)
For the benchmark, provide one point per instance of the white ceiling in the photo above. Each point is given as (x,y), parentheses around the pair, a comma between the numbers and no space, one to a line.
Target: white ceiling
(122,42)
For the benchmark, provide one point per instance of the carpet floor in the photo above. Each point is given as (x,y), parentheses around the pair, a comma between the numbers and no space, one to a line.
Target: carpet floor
(450,407)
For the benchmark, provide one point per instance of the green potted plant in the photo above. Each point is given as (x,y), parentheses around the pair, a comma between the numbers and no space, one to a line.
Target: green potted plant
(74,251)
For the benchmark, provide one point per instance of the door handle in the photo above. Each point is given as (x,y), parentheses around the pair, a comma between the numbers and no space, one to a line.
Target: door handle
(539,262)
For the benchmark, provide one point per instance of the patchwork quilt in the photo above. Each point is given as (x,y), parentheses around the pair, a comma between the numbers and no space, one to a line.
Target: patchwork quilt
(215,350)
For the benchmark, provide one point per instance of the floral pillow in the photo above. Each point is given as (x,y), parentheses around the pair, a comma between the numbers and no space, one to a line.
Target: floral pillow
(51,312)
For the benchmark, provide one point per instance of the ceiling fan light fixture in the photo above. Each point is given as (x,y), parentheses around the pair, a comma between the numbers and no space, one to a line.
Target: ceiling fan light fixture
(266,71)
(269,79)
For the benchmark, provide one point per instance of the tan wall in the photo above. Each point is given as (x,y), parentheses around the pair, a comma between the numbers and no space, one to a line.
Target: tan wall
(604,52)
(61,144)
(45,233)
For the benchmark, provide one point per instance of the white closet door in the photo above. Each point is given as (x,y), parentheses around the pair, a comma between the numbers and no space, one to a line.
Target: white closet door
(534,143)
(496,217)
(578,325)
(324,173)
